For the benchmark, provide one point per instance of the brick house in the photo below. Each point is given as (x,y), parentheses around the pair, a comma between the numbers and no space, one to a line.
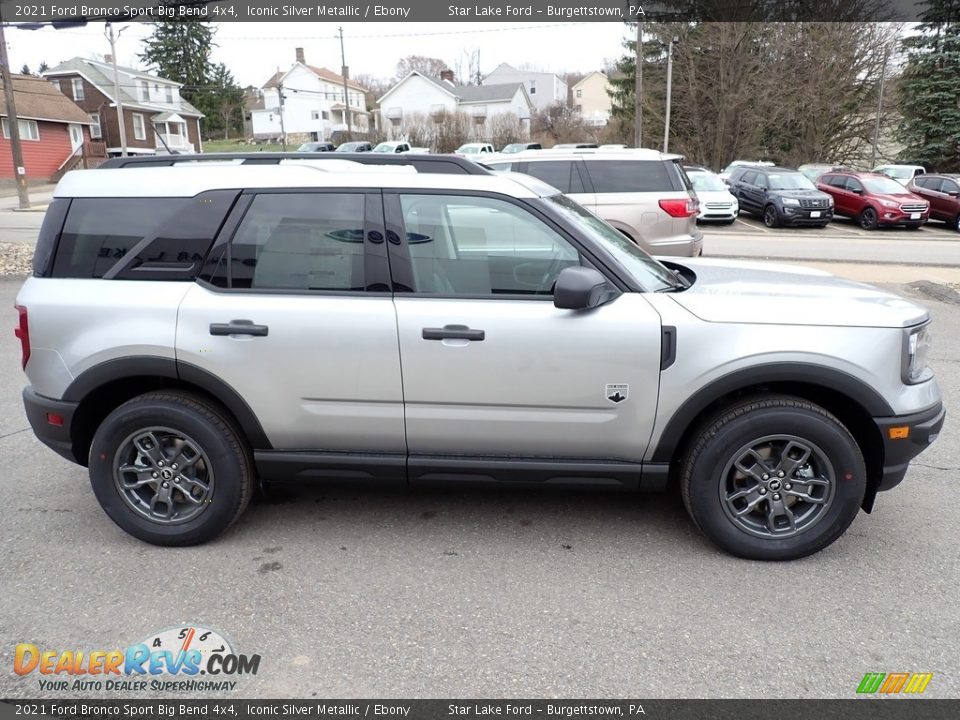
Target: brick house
(155,117)
(54,132)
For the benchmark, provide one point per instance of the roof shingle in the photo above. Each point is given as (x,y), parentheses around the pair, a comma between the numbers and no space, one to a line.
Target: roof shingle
(38,99)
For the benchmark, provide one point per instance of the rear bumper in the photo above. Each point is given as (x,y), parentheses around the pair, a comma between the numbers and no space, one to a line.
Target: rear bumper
(51,421)
(921,429)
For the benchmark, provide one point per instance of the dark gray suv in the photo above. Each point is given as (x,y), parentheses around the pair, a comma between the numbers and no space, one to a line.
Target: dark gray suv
(780,196)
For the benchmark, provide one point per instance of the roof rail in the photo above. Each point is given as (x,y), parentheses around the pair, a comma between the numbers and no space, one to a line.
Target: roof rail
(444,164)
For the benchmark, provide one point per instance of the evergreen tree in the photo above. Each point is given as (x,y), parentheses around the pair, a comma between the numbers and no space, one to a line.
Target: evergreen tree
(929,90)
(25,70)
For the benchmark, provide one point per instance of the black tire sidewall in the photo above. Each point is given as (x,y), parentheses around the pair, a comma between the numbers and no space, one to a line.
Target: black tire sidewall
(768,211)
(863,219)
(705,479)
(228,468)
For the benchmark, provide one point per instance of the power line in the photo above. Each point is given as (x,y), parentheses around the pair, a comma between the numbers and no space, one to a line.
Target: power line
(394,35)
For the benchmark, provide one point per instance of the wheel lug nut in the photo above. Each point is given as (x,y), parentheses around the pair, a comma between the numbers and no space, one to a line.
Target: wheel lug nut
(787,486)
(776,496)
(779,474)
(766,477)
(174,466)
(763,491)
(160,463)
(156,474)
(166,484)
(177,481)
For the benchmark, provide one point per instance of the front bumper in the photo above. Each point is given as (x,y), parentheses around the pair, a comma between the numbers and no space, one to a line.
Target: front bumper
(805,216)
(51,421)
(905,437)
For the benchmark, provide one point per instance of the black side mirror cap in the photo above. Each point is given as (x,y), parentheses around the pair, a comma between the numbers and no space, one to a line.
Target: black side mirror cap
(580,288)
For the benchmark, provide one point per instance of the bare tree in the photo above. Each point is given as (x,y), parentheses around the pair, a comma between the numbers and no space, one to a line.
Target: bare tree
(505,128)
(452,129)
(560,123)
(429,66)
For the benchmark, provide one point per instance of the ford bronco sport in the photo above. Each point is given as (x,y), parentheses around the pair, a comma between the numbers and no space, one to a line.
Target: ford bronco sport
(191,330)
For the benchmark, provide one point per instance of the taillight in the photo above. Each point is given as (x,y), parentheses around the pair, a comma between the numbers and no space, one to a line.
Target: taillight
(680,208)
(22,331)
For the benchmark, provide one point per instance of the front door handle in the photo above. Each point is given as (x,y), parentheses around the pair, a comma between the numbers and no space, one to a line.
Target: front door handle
(239,327)
(453,332)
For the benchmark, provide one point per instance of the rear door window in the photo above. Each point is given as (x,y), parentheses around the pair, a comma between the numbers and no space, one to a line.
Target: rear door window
(748,177)
(561,174)
(623,176)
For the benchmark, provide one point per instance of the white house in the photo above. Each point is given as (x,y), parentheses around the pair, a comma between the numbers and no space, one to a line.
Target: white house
(544,88)
(312,108)
(591,98)
(419,94)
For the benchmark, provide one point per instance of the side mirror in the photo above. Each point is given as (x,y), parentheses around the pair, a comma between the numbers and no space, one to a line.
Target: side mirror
(579,288)
(858,191)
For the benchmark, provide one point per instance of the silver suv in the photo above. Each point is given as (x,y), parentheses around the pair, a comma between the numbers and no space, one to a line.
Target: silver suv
(190,331)
(644,194)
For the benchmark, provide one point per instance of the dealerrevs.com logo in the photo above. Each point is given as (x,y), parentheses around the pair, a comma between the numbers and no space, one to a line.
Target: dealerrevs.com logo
(167,661)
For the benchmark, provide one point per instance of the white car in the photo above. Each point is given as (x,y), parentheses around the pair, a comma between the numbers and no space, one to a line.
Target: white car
(472,149)
(717,204)
(901,173)
(736,163)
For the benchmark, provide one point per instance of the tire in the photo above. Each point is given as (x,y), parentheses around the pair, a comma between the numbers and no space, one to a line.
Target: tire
(770,217)
(779,428)
(868,219)
(135,449)
(956,223)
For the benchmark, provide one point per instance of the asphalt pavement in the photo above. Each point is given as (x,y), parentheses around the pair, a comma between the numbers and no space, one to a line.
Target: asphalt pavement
(349,592)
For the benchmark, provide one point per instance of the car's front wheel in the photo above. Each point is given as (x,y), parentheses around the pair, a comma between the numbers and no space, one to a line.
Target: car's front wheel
(773,478)
(956,223)
(170,468)
(869,219)
(770,217)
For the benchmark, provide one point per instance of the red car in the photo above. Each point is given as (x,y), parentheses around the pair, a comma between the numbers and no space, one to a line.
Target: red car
(873,200)
(943,194)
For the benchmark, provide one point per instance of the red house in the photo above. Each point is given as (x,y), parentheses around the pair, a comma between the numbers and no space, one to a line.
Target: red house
(54,132)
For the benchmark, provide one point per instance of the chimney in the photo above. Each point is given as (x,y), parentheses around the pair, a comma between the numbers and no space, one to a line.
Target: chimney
(447,75)
(108,58)
(300,56)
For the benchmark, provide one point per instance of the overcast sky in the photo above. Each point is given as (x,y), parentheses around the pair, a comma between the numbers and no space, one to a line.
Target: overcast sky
(254,51)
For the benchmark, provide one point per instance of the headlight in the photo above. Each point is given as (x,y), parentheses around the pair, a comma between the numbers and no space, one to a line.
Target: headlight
(793,202)
(917,351)
(888,203)
(829,200)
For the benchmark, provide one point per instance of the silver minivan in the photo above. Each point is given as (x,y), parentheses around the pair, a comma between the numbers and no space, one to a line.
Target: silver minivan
(645,194)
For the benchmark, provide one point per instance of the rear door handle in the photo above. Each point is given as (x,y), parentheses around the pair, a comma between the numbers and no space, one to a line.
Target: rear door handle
(239,327)
(453,332)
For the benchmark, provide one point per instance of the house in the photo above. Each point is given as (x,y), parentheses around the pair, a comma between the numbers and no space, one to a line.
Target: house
(591,98)
(544,88)
(420,95)
(156,119)
(53,130)
(312,107)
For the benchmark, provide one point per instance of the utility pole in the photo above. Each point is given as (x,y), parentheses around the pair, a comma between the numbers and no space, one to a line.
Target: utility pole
(344,70)
(116,89)
(638,89)
(666,118)
(876,131)
(19,169)
(283,131)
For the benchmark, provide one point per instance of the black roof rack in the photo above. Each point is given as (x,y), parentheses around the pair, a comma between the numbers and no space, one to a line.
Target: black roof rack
(443,164)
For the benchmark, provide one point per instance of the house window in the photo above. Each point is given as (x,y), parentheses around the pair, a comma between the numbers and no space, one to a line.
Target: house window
(139,127)
(144,90)
(77,84)
(314,114)
(95,132)
(28,129)
(533,87)
(325,115)
(579,93)
(168,91)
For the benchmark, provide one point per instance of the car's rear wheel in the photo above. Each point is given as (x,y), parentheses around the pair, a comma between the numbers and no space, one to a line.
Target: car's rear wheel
(773,478)
(170,468)
(770,217)
(956,223)
(868,219)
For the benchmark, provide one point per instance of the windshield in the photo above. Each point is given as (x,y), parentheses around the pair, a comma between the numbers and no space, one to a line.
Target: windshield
(883,186)
(513,148)
(384,147)
(705,182)
(469,149)
(792,181)
(650,274)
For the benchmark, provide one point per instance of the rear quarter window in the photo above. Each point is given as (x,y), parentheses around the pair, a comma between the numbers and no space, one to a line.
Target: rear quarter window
(139,238)
(561,174)
(621,176)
